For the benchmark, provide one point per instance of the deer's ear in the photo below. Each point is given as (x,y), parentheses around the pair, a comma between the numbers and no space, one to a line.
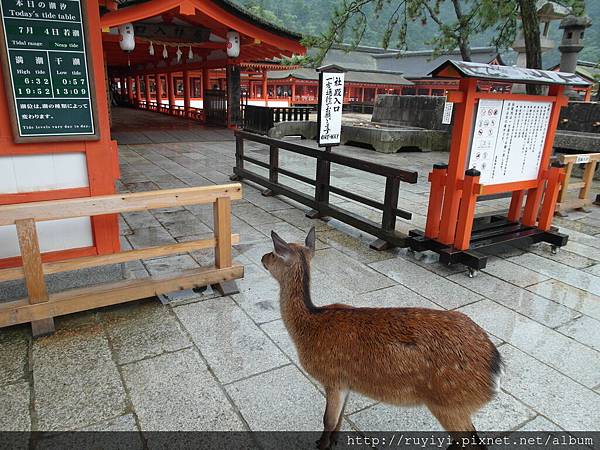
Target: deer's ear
(281,247)
(311,237)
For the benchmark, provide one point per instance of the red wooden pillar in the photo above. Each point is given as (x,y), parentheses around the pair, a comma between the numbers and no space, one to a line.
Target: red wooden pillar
(170,91)
(147,90)
(362,95)
(159,90)
(130,88)
(467,210)
(138,88)
(186,90)
(459,149)
(555,176)
(516,204)
(437,178)
(293,92)
(534,196)
(265,88)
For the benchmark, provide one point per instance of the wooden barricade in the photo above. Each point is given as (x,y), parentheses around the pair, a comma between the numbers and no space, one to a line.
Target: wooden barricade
(41,307)
(565,203)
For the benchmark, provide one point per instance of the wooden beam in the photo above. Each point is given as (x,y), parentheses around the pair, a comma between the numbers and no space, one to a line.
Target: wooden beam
(17,273)
(33,273)
(118,203)
(222,230)
(76,300)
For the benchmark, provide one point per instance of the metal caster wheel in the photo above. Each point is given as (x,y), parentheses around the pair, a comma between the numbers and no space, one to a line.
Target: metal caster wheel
(554,249)
(472,272)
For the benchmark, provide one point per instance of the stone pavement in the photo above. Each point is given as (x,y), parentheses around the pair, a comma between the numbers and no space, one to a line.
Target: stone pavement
(226,363)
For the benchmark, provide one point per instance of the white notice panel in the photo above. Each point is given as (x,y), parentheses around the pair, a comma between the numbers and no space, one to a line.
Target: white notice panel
(508,140)
(330,111)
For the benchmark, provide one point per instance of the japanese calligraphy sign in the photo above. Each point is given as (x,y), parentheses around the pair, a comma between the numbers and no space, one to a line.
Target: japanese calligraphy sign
(331,100)
(47,70)
(508,140)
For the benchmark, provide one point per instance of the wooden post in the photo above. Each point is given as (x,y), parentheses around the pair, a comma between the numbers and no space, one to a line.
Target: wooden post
(265,88)
(588,177)
(222,230)
(437,178)
(390,203)
(34,274)
(186,91)
(147,89)
(562,196)
(467,210)
(516,205)
(459,148)
(293,92)
(170,91)
(321,186)
(273,168)
(555,173)
(159,90)
(138,89)
(130,92)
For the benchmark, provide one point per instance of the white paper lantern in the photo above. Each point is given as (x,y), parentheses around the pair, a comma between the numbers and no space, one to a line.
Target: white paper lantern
(165,52)
(151,49)
(191,53)
(127,41)
(233,44)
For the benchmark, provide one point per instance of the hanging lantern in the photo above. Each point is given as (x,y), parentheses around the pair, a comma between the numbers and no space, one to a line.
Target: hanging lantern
(190,53)
(151,49)
(178,53)
(233,44)
(165,52)
(127,38)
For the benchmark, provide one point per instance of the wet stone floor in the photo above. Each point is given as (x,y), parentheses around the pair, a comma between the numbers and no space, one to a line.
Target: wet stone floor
(205,362)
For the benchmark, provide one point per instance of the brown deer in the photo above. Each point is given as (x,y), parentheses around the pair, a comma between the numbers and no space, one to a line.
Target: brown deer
(401,356)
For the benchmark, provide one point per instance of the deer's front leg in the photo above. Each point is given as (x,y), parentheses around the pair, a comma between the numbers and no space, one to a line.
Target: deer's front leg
(332,419)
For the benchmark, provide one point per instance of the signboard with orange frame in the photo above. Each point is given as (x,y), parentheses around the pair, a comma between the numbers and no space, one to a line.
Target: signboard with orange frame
(501,143)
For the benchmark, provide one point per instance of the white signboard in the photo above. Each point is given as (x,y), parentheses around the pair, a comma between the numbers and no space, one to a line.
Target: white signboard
(508,140)
(447,117)
(330,111)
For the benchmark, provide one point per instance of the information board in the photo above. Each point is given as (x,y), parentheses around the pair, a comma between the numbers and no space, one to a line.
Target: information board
(331,100)
(508,140)
(47,70)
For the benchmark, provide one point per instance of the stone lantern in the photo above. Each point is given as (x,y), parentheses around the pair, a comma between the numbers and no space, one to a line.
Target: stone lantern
(572,41)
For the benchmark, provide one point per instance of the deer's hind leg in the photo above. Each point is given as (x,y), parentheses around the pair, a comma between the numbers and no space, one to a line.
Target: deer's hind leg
(332,419)
(457,422)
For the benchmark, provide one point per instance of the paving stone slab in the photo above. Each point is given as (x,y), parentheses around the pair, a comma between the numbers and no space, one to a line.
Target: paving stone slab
(231,343)
(348,272)
(253,215)
(14,343)
(297,217)
(538,308)
(393,297)
(279,400)
(558,351)
(565,294)
(76,382)
(540,423)
(121,423)
(564,256)
(585,330)
(259,295)
(170,264)
(14,413)
(594,270)
(176,392)
(439,290)
(566,274)
(356,245)
(562,400)
(148,237)
(513,273)
(142,329)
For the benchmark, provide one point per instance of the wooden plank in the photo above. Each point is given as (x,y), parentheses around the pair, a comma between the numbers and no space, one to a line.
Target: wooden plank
(222,230)
(17,273)
(565,159)
(33,273)
(588,178)
(118,203)
(562,196)
(82,299)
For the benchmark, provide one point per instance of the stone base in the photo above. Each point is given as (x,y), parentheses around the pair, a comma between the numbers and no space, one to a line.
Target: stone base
(13,290)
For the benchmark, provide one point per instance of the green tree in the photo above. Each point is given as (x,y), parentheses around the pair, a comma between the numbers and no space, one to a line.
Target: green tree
(350,22)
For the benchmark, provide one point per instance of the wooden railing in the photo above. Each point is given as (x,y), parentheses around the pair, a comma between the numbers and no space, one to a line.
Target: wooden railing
(385,231)
(173,110)
(564,203)
(41,307)
(260,119)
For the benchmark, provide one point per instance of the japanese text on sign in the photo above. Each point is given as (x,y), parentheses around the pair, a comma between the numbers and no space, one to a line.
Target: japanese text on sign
(45,49)
(330,109)
(508,140)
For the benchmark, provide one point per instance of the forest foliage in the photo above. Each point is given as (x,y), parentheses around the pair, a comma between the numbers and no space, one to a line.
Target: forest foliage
(312,17)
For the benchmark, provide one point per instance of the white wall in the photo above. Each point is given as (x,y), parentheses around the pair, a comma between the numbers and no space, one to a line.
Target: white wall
(35,173)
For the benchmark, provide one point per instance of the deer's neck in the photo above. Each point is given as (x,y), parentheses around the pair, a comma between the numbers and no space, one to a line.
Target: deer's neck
(297,308)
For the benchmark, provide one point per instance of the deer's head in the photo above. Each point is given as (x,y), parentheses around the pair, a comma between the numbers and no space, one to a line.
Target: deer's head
(286,259)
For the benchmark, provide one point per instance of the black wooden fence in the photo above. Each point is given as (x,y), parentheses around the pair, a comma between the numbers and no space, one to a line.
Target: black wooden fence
(260,119)
(385,231)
